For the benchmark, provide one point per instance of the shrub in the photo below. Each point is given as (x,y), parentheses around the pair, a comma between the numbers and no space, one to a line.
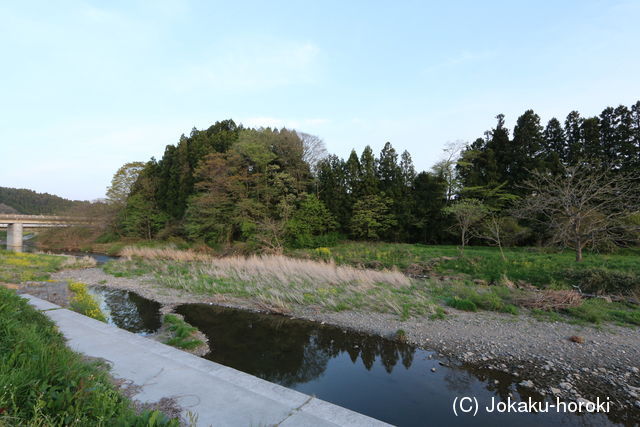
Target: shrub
(84,303)
(603,281)
(461,304)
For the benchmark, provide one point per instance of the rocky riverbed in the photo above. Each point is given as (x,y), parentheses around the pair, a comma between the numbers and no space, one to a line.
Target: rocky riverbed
(604,363)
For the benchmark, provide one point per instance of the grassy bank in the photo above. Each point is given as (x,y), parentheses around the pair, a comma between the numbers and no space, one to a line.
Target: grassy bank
(542,267)
(279,283)
(21,267)
(42,382)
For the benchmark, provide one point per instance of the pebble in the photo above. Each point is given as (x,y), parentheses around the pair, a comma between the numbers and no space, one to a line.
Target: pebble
(526,383)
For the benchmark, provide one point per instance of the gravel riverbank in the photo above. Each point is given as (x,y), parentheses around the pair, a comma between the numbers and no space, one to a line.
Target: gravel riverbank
(537,354)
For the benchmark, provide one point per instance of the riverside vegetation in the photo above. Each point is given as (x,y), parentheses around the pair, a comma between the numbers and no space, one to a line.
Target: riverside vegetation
(531,280)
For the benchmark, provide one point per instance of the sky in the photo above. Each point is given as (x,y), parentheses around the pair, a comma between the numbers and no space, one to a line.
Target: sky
(88,86)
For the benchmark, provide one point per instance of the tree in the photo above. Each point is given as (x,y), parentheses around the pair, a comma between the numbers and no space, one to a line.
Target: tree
(583,206)
(371,217)
(527,146)
(369,184)
(499,230)
(446,168)
(122,182)
(555,143)
(467,214)
(312,218)
(429,196)
(313,150)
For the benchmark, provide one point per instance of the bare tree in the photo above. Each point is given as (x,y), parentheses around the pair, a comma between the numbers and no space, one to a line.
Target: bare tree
(583,206)
(313,149)
(500,231)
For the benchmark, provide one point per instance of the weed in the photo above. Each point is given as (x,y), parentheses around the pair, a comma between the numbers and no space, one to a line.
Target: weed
(84,303)
(461,304)
(181,333)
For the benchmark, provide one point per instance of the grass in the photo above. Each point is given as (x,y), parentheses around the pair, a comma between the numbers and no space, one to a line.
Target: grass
(42,382)
(181,333)
(19,267)
(278,283)
(537,266)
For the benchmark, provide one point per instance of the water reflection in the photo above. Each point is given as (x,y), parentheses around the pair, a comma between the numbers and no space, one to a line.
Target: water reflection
(387,380)
(128,310)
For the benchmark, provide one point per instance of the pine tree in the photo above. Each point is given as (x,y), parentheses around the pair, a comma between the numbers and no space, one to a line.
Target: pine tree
(555,145)
(572,131)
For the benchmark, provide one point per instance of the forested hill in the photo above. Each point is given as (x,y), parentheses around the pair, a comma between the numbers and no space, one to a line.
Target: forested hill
(269,187)
(28,202)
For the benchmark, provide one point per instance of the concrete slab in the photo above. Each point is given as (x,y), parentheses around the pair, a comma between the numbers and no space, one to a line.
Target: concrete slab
(40,304)
(219,395)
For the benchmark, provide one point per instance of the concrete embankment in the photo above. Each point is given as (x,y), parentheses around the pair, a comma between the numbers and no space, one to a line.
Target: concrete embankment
(218,395)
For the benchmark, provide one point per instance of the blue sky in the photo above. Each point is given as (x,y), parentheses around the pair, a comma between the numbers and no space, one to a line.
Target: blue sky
(87,86)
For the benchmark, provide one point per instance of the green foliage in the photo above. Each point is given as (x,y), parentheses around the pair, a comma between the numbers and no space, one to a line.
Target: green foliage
(42,382)
(310,223)
(371,217)
(122,182)
(461,304)
(181,333)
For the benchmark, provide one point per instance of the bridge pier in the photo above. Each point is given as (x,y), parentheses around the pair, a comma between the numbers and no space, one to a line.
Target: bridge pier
(14,236)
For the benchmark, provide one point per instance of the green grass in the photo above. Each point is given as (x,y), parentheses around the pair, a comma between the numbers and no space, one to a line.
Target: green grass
(42,382)
(537,266)
(181,333)
(126,268)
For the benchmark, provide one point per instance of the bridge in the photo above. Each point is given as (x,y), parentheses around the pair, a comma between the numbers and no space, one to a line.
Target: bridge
(15,225)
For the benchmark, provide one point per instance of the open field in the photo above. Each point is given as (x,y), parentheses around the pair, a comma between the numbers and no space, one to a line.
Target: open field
(42,382)
(537,266)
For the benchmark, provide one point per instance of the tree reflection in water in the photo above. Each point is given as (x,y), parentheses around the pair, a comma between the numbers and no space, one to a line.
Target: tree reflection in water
(128,310)
(286,351)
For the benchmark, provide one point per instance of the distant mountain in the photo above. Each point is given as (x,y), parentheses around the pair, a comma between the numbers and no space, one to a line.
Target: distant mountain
(28,202)
(6,209)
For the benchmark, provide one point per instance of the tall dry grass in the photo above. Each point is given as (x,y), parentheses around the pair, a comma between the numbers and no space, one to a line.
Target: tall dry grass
(277,281)
(271,268)
(166,253)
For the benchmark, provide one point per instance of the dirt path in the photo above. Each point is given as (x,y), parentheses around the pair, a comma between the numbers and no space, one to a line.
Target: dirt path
(536,353)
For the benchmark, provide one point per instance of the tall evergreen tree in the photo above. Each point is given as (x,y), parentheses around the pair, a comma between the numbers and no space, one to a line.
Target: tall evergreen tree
(527,149)
(555,144)
(573,132)
(369,178)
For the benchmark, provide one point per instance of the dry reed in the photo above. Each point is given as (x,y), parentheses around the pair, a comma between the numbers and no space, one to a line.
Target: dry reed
(551,300)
